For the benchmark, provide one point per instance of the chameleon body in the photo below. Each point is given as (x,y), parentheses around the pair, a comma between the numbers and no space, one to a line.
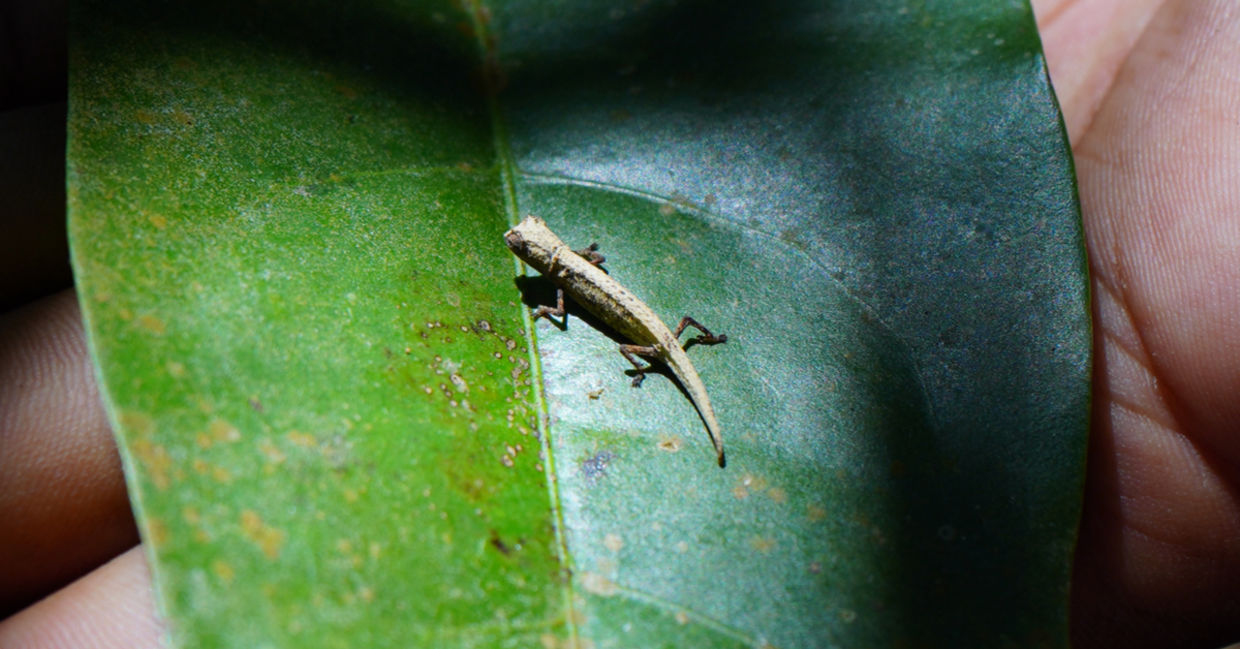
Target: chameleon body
(609,301)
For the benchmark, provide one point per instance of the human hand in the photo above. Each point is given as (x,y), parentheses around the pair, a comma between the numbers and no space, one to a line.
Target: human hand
(1150,91)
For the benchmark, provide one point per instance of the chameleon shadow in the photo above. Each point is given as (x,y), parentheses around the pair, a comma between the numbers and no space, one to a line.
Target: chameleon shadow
(539,291)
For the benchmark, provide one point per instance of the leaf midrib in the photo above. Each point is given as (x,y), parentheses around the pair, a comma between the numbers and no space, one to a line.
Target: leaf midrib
(507,173)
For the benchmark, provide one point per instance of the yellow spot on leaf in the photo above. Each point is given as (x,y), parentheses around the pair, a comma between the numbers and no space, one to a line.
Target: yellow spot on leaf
(682,617)
(191,515)
(613,542)
(175,370)
(267,538)
(598,584)
(155,459)
(762,544)
(304,440)
(222,431)
(157,531)
(815,513)
(270,451)
(223,570)
(152,324)
(158,220)
(137,423)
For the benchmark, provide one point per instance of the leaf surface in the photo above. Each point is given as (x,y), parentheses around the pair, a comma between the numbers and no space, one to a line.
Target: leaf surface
(286,222)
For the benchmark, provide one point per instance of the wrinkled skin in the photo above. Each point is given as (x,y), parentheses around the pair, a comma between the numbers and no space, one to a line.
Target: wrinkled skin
(1151,96)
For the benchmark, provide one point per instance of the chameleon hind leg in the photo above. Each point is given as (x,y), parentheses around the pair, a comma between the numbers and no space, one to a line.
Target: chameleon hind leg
(631,352)
(707,338)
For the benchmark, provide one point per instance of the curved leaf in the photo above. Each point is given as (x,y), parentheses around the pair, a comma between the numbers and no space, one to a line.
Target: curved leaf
(286,224)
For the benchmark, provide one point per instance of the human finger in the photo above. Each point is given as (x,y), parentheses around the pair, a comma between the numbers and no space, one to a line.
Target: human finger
(62,493)
(1159,169)
(109,608)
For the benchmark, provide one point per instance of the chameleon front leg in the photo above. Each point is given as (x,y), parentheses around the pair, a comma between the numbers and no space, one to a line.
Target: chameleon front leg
(630,352)
(707,338)
(590,254)
(549,311)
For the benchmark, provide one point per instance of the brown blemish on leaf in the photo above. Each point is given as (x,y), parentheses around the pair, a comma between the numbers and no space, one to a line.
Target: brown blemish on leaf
(613,542)
(158,220)
(670,443)
(267,538)
(815,513)
(778,495)
(175,370)
(496,542)
(682,617)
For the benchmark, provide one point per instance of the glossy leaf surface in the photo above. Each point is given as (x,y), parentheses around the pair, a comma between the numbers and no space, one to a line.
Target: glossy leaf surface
(287,219)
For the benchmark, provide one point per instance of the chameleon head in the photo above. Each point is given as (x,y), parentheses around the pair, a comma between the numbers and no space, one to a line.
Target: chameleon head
(533,242)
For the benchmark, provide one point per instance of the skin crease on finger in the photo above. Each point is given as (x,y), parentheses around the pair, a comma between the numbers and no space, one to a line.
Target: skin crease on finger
(62,493)
(1159,169)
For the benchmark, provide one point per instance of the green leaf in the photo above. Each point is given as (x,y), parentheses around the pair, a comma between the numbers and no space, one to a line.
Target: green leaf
(341,427)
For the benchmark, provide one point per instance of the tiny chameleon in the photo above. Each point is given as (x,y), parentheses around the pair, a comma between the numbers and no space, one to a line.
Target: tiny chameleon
(577,273)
